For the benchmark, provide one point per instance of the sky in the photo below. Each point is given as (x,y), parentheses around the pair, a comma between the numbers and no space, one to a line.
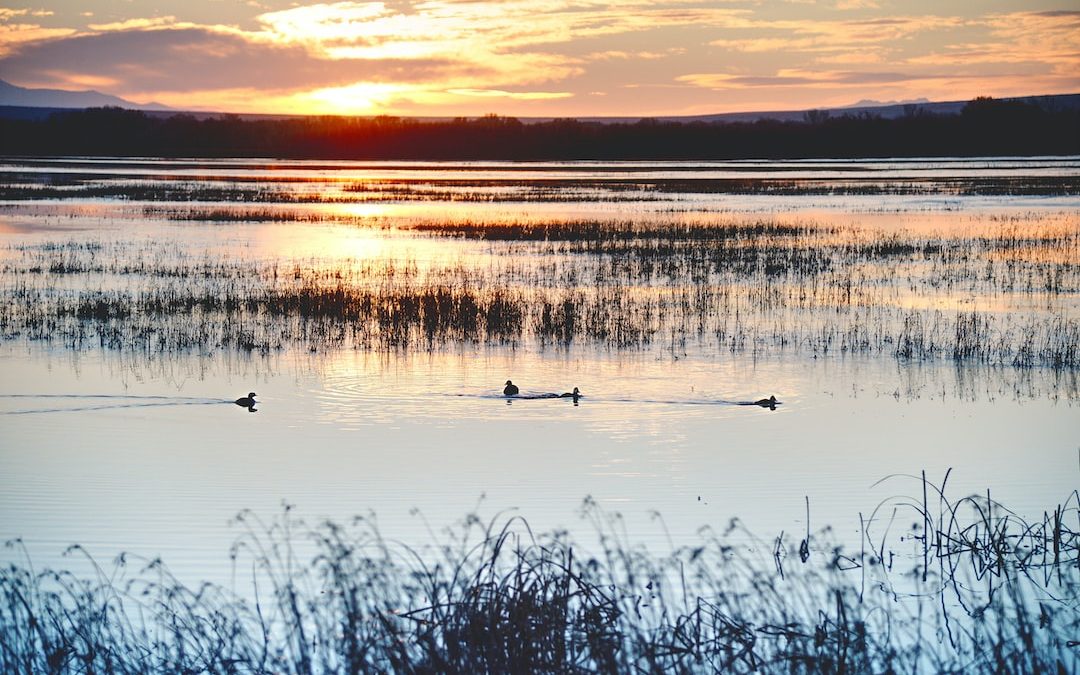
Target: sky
(541,58)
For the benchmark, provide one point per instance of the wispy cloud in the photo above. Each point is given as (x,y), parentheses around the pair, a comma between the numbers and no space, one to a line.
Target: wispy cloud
(804,78)
(140,24)
(186,59)
(524,55)
(432,48)
(16,29)
(1047,38)
(832,35)
(7,14)
(518,95)
(621,55)
(375,30)
(857,4)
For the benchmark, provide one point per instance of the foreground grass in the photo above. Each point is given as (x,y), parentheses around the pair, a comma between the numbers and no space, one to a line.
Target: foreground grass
(969,588)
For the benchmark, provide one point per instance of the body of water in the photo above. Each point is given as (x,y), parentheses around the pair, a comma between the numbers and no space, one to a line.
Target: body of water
(118,431)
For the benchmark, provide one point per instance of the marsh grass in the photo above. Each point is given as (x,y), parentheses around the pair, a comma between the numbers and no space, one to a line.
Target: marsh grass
(999,295)
(968,587)
(312,188)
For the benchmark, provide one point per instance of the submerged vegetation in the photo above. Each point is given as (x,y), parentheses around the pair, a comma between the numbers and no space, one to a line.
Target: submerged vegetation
(994,293)
(304,190)
(626,256)
(968,587)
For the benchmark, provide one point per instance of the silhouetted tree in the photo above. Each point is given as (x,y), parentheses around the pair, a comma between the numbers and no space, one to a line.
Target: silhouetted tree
(984,127)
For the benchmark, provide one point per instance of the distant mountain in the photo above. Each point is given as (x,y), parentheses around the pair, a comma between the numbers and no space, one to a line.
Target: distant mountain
(38,104)
(870,103)
(883,110)
(12,95)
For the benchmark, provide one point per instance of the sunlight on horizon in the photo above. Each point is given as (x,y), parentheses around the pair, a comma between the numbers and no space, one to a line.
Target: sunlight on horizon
(355,99)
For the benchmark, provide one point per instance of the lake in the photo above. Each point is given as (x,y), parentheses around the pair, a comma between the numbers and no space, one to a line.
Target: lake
(910,316)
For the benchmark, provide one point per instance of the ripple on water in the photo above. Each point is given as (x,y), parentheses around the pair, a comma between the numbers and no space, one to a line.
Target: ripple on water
(635,399)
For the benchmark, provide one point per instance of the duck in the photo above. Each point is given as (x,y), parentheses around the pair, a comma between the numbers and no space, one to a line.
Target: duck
(767,402)
(510,389)
(576,394)
(246,401)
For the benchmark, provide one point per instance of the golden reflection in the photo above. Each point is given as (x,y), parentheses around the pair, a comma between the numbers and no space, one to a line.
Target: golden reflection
(331,245)
(420,274)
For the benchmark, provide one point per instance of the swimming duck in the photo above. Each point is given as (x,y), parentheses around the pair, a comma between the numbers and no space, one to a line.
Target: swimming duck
(576,394)
(510,389)
(246,401)
(767,402)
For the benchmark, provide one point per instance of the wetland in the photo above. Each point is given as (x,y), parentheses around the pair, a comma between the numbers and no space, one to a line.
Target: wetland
(915,317)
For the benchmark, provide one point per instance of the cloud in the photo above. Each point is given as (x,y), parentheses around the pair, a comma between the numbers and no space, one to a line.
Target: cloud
(523,55)
(808,79)
(136,24)
(9,14)
(1037,37)
(14,34)
(999,52)
(517,95)
(853,58)
(810,35)
(621,55)
(318,51)
(374,30)
(1042,47)
(186,59)
(857,4)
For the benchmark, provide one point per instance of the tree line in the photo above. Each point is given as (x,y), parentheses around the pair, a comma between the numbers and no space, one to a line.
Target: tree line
(984,127)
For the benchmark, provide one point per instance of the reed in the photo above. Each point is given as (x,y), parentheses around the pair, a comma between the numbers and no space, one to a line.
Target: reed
(738,285)
(238,187)
(969,587)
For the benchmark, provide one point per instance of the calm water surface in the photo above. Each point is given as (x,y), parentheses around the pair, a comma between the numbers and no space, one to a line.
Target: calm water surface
(145,452)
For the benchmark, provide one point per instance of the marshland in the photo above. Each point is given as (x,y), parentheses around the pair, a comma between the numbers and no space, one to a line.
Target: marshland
(911,316)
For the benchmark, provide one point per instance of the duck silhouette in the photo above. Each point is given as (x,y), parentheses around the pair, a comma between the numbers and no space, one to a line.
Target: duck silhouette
(510,389)
(576,394)
(247,402)
(769,403)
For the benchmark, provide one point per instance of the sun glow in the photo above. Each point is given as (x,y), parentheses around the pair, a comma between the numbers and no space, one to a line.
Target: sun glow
(348,30)
(359,98)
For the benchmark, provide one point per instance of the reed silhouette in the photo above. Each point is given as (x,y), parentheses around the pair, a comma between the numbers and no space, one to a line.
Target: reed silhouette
(969,587)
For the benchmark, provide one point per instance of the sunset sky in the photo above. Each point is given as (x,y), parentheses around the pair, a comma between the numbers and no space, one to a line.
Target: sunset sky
(540,57)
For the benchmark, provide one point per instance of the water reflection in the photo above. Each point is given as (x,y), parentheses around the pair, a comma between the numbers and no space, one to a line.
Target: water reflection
(689,310)
(651,435)
(86,402)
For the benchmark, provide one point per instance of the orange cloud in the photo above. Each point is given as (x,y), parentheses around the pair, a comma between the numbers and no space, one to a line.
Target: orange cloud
(620,55)
(1047,38)
(14,34)
(518,95)
(811,79)
(412,56)
(818,35)
(373,30)
(139,24)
